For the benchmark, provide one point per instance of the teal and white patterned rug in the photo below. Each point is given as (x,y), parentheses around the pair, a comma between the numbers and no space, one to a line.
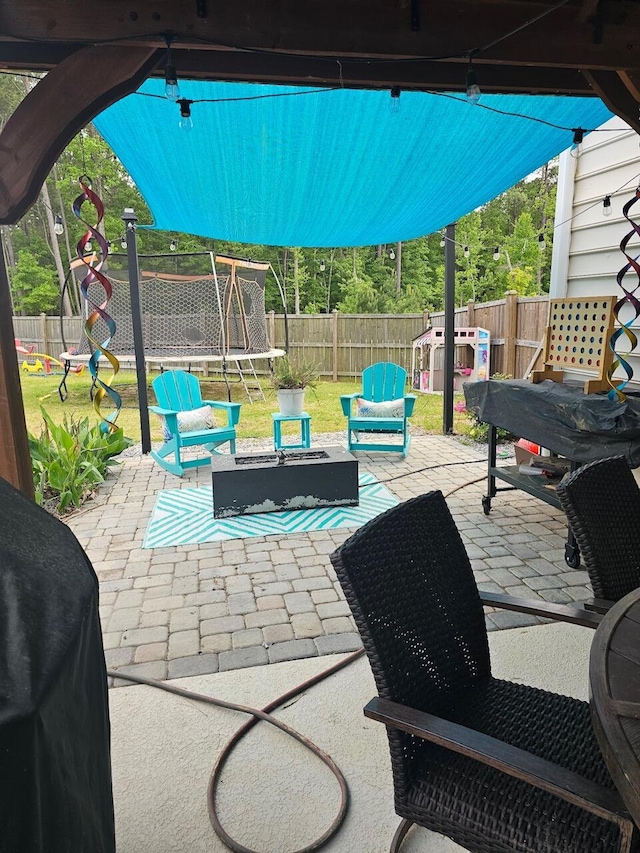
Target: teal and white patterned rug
(185,517)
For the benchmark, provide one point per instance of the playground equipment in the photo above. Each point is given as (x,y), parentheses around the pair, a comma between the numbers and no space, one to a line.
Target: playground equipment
(41,367)
(472,355)
(197,309)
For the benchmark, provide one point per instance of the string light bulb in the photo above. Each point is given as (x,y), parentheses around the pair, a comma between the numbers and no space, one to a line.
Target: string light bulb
(496,253)
(576,145)
(606,206)
(541,242)
(173,245)
(171,87)
(322,266)
(123,241)
(186,122)
(87,246)
(473,90)
(392,255)
(394,102)
(58,227)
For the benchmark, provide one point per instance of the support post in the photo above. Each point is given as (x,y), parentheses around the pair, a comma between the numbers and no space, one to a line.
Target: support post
(471,313)
(510,332)
(335,344)
(449,327)
(15,461)
(129,218)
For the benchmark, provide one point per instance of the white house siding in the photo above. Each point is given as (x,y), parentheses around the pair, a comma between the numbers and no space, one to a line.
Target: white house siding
(586,252)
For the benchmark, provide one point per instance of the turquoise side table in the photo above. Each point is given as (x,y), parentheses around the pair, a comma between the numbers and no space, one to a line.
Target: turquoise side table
(305,430)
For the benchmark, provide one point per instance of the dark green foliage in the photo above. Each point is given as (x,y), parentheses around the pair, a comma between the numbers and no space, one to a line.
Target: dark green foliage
(69,460)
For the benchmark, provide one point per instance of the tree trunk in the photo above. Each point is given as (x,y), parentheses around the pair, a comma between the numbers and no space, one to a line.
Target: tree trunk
(398,268)
(55,249)
(296,284)
(543,225)
(331,258)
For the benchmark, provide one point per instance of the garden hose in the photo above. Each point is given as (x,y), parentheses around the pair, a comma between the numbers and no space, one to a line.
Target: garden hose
(257,715)
(265,715)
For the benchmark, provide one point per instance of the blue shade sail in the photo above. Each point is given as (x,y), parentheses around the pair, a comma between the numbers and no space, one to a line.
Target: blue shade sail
(330,168)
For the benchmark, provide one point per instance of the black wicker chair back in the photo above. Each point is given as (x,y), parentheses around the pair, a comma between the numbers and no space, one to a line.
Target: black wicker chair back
(407,578)
(468,751)
(602,504)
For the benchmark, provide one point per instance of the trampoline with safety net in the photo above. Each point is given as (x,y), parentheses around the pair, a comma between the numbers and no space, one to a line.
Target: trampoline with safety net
(197,309)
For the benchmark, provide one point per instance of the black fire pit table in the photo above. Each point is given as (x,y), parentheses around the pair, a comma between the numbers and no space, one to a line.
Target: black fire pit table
(248,483)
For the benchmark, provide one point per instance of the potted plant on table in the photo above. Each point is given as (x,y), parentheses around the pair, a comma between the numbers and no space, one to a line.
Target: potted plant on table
(290,377)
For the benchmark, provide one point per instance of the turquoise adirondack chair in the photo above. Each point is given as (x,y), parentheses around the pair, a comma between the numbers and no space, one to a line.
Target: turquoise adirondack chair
(177,392)
(382,383)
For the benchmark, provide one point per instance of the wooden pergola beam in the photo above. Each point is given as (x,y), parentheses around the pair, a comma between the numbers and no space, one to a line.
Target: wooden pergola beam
(602,36)
(55,110)
(44,123)
(616,95)
(15,462)
(315,71)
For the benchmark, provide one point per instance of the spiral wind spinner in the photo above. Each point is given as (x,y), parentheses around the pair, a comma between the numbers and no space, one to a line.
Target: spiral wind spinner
(99,311)
(624,330)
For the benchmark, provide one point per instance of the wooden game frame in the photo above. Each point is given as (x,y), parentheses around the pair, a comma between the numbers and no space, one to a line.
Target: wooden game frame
(577,339)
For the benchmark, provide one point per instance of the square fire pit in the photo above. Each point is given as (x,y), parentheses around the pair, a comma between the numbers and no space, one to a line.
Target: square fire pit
(271,482)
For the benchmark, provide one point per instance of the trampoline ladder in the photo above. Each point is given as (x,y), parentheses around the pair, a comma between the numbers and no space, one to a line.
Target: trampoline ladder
(252,387)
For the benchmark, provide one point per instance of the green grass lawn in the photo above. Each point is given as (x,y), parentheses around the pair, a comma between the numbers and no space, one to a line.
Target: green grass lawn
(255,419)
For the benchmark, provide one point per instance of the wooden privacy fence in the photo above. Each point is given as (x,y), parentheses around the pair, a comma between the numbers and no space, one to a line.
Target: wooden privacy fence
(342,345)
(516,324)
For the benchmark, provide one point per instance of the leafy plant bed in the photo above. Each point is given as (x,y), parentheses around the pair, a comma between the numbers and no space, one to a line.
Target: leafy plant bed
(69,460)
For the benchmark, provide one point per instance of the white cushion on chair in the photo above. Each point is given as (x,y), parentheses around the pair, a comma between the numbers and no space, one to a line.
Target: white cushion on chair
(385,409)
(192,421)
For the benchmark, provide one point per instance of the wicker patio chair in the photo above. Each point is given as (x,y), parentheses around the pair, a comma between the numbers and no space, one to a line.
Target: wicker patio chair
(602,503)
(496,766)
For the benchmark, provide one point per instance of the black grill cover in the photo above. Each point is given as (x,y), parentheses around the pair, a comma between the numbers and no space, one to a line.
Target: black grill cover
(55,770)
(582,427)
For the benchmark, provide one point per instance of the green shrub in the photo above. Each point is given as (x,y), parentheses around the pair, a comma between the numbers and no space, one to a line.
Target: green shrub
(69,460)
(290,374)
(479,431)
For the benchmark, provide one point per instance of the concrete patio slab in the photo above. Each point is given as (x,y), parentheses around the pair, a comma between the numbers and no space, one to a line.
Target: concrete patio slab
(195,609)
(274,797)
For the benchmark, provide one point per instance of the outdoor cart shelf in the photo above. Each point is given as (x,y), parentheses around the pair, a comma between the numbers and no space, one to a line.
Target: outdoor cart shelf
(538,486)
(560,417)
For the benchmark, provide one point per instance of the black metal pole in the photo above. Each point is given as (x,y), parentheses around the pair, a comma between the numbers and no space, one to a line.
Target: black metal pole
(449,326)
(130,220)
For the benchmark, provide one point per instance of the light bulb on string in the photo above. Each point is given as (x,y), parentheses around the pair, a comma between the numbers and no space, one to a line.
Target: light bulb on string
(576,145)
(542,245)
(58,227)
(392,255)
(171,87)
(473,90)
(322,266)
(394,102)
(186,122)
(442,242)
(466,252)
(173,245)
(87,246)
(123,241)
(496,253)
(606,206)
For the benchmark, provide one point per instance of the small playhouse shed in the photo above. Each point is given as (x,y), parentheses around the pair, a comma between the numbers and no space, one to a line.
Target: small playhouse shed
(471,358)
